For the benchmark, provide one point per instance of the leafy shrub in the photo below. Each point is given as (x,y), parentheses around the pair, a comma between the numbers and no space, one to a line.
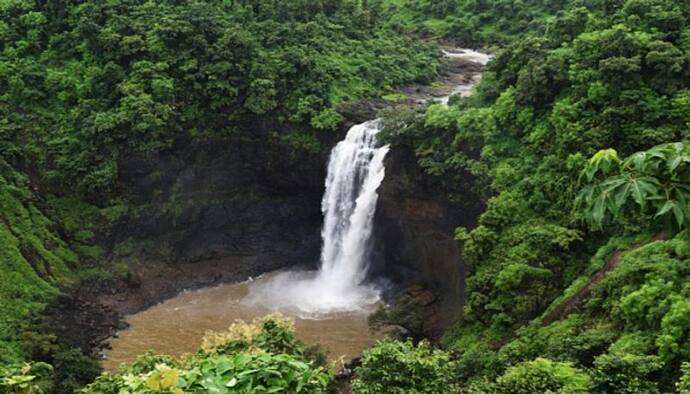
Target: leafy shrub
(273,333)
(401,367)
(542,376)
(683,385)
(258,357)
(574,339)
(73,370)
(625,374)
(674,341)
(256,373)
(29,378)
(656,181)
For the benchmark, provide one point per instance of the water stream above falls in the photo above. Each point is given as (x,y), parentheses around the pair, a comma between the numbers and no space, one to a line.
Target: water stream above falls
(330,306)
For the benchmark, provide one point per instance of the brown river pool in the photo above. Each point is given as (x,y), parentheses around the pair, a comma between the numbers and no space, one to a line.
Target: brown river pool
(176,326)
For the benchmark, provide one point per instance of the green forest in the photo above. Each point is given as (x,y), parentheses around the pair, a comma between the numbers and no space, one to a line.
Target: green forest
(576,141)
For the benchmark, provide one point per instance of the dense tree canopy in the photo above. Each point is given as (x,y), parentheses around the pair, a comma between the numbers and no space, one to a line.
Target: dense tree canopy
(596,75)
(105,78)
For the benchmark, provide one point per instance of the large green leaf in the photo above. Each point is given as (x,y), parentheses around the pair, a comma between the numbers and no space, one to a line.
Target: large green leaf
(679,214)
(655,180)
(644,188)
(599,209)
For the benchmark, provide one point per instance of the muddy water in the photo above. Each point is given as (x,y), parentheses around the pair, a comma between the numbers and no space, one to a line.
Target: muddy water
(176,326)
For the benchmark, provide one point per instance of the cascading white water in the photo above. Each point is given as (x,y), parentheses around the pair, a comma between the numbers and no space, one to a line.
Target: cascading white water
(355,171)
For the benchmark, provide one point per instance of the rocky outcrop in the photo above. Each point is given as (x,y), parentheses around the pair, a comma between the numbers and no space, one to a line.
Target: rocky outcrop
(88,315)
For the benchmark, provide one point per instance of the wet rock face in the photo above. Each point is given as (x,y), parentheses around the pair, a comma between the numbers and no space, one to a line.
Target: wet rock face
(255,199)
(415,225)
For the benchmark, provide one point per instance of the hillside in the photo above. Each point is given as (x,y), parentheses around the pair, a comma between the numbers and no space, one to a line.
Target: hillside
(596,75)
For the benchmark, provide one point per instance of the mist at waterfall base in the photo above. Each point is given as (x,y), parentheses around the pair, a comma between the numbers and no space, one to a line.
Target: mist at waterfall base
(355,171)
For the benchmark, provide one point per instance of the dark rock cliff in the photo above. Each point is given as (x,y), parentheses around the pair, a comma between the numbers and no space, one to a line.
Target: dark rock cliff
(415,225)
(254,199)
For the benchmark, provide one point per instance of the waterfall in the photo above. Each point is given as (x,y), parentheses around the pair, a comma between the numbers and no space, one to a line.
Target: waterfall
(355,171)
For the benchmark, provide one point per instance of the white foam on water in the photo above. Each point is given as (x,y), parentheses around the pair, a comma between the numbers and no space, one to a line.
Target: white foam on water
(469,55)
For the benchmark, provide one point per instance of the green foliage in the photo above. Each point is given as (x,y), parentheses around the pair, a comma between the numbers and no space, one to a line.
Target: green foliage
(262,357)
(656,181)
(73,370)
(494,21)
(401,367)
(575,339)
(674,341)
(619,335)
(34,261)
(84,84)
(625,374)
(29,378)
(645,295)
(542,376)
(327,119)
(573,78)
(61,371)
(683,385)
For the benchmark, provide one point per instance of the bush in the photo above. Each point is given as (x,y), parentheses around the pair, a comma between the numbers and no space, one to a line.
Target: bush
(400,367)
(683,385)
(542,376)
(258,357)
(625,374)
(273,334)
(28,378)
(73,370)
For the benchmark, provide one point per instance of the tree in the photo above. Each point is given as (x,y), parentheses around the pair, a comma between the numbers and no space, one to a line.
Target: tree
(542,376)
(397,367)
(625,374)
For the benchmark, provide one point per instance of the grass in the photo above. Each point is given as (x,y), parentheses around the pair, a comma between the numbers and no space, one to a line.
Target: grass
(33,260)
(395,97)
